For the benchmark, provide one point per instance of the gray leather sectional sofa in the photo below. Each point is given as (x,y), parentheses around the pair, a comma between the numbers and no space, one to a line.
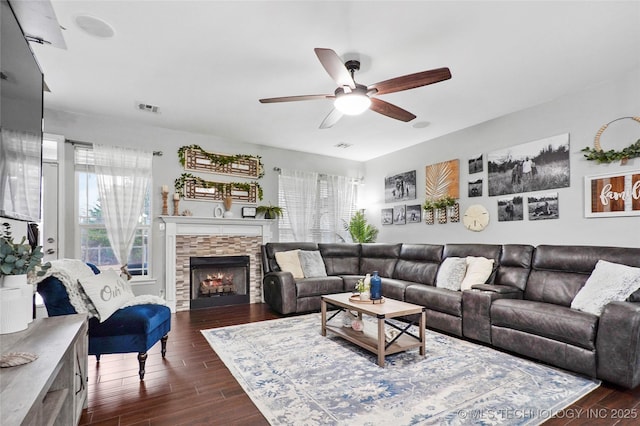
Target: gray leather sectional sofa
(524,307)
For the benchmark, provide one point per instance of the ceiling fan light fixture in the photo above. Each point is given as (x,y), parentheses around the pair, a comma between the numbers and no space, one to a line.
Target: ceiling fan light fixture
(352,103)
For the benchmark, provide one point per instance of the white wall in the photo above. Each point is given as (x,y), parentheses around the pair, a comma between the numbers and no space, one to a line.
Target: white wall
(580,115)
(167,168)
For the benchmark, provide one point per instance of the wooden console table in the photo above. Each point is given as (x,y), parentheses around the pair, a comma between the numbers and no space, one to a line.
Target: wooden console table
(52,390)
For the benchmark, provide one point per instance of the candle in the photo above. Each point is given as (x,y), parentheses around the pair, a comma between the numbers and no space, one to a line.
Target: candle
(176,196)
(165,188)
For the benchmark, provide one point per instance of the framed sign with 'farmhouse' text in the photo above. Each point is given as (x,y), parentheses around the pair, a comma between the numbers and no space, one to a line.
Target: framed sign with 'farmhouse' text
(616,194)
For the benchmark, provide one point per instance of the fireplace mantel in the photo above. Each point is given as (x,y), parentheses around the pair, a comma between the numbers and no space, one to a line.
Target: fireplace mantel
(175,226)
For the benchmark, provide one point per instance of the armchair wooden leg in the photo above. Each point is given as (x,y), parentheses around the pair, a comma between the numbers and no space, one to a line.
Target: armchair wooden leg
(163,342)
(142,358)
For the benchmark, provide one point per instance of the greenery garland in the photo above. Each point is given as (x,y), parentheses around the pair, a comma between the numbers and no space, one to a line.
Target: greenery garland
(221,160)
(224,187)
(601,156)
(438,203)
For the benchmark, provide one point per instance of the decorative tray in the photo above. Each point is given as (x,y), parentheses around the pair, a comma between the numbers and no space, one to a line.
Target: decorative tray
(356,299)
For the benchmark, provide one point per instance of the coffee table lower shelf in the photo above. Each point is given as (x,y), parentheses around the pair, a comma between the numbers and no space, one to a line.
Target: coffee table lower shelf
(369,341)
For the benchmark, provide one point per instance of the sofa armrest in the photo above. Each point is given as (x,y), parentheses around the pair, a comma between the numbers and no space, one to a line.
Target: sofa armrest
(499,289)
(280,291)
(618,344)
(476,308)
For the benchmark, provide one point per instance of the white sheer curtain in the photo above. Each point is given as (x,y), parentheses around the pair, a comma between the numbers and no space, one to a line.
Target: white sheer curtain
(20,174)
(342,197)
(123,175)
(299,189)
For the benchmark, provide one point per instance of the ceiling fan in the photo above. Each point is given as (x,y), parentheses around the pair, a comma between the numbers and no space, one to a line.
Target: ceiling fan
(352,98)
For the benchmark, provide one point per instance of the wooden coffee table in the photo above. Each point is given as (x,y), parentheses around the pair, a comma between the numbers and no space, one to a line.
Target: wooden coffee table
(382,311)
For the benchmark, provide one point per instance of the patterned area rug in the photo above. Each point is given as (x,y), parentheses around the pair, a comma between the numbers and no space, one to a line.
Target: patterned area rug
(297,377)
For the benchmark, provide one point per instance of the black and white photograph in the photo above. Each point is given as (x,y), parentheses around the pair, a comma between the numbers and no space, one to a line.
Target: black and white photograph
(475,188)
(532,166)
(544,206)
(414,213)
(476,164)
(510,209)
(387,216)
(400,187)
(399,216)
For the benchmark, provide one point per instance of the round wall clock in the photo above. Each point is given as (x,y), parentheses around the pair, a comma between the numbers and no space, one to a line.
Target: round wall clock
(476,218)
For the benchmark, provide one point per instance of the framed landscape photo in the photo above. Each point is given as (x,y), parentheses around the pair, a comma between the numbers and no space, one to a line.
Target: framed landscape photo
(476,165)
(543,206)
(534,166)
(400,187)
(475,188)
(614,194)
(510,209)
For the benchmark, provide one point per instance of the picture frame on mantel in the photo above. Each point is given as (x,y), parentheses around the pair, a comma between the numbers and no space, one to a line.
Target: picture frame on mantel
(613,194)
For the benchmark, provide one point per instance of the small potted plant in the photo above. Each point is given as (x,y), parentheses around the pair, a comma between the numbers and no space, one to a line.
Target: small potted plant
(270,211)
(360,230)
(19,258)
(441,205)
(363,286)
(429,207)
(19,261)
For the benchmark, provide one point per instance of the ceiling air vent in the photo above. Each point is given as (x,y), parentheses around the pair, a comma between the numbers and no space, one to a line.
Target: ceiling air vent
(343,145)
(146,107)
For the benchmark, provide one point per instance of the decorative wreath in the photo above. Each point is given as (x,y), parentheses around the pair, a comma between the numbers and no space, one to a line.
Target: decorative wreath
(597,154)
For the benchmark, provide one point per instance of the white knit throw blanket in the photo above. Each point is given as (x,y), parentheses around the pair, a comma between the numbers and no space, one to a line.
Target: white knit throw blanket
(69,271)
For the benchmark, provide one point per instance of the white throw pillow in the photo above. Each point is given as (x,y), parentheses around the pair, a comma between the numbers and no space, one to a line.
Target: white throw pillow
(479,270)
(607,283)
(451,273)
(107,291)
(288,261)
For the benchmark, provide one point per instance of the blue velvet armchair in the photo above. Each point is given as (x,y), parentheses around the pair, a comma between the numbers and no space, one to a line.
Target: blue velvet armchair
(131,329)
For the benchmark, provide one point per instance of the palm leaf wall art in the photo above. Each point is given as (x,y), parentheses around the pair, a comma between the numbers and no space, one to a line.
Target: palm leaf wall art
(443,179)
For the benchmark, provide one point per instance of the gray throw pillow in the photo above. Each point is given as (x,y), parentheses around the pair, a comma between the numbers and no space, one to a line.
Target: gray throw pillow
(312,264)
(451,273)
(608,282)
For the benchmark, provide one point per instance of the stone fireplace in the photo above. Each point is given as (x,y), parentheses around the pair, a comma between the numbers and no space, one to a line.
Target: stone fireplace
(219,281)
(187,237)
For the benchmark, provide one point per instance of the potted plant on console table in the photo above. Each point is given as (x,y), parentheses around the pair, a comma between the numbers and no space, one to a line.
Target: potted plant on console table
(17,261)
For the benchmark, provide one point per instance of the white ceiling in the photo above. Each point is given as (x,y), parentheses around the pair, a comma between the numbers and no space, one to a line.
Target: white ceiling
(206,64)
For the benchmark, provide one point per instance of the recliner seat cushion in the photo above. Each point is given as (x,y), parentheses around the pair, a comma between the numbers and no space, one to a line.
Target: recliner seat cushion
(436,299)
(547,320)
(319,286)
(394,289)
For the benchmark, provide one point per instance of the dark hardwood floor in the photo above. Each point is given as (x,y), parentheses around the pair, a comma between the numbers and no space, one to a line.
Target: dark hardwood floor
(191,386)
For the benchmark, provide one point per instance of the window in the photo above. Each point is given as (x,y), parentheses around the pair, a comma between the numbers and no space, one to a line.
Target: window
(94,245)
(316,207)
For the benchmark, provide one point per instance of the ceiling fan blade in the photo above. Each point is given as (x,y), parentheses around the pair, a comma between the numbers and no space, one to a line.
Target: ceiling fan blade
(390,110)
(295,98)
(411,81)
(334,66)
(331,119)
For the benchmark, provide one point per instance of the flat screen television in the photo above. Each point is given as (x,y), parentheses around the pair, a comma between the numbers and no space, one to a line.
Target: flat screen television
(21,103)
